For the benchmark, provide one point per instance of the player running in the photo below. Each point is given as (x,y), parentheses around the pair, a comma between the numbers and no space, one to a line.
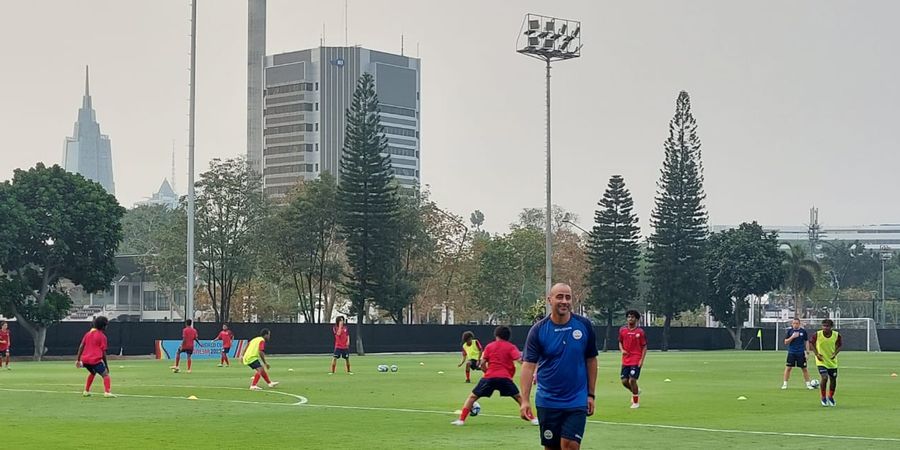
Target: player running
(5,344)
(188,338)
(341,344)
(471,353)
(498,362)
(796,339)
(826,344)
(633,344)
(255,357)
(92,356)
(226,336)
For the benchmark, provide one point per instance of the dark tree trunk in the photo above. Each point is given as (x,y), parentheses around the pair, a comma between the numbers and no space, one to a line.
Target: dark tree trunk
(666,325)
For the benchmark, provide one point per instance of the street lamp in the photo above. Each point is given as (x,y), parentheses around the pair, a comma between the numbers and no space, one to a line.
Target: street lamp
(549,39)
(576,226)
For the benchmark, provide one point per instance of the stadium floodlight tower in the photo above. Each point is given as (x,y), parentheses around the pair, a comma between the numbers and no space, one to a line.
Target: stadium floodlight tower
(549,39)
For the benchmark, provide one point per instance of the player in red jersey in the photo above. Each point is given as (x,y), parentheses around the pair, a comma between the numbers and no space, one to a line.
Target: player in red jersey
(226,336)
(633,344)
(498,362)
(188,338)
(92,356)
(5,344)
(341,344)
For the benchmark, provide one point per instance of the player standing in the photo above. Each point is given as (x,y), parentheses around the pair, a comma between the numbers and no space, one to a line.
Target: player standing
(633,344)
(796,339)
(471,353)
(188,337)
(226,336)
(5,344)
(826,344)
(255,357)
(498,362)
(341,344)
(92,356)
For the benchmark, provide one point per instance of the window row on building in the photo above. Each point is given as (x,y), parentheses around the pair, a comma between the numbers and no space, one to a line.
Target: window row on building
(293,107)
(298,87)
(296,148)
(401,131)
(295,128)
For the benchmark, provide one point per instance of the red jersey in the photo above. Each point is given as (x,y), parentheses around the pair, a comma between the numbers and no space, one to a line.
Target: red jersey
(226,336)
(341,338)
(93,346)
(501,357)
(188,335)
(4,336)
(634,341)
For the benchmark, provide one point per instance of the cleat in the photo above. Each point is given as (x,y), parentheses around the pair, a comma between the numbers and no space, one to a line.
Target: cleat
(219,365)
(273,384)
(109,395)
(86,394)
(635,405)
(349,373)
(175,370)
(458,423)
(824,402)
(255,388)
(784,386)
(535,421)
(330,373)
(468,381)
(831,401)
(189,370)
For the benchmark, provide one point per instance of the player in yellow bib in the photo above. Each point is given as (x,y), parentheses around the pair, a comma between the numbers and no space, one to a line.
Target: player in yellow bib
(826,344)
(471,353)
(255,357)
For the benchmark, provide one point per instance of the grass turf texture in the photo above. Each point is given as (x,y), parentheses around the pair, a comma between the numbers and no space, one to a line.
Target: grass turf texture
(41,405)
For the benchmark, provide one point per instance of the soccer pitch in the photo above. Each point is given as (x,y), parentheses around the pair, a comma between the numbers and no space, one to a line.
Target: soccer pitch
(41,405)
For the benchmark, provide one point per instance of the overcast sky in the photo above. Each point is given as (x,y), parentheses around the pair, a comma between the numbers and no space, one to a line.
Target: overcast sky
(797,103)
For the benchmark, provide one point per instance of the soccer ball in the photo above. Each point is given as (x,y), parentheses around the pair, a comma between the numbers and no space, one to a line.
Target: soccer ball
(476,409)
(382,368)
(394,368)
(814,383)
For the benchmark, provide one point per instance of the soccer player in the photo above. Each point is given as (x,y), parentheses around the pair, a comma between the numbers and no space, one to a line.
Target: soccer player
(498,362)
(341,344)
(633,344)
(226,336)
(796,339)
(255,357)
(471,353)
(826,344)
(563,347)
(92,356)
(5,344)
(188,337)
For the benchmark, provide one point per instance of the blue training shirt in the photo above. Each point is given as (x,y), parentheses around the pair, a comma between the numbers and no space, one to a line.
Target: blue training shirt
(798,345)
(560,352)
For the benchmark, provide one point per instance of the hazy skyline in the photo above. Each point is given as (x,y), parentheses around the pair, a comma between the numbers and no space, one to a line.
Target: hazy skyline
(795,101)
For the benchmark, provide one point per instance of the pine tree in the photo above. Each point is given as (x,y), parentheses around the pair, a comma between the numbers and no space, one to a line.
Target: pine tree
(368,202)
(613,253)
(676,254)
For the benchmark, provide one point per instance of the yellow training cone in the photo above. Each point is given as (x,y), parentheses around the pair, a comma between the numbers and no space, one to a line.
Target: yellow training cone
(192,398)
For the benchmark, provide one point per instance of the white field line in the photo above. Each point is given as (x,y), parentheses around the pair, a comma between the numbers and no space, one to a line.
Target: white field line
(302,401)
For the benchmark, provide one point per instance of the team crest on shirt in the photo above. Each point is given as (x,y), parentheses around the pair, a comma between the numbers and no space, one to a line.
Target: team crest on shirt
(548,434)
(577,334)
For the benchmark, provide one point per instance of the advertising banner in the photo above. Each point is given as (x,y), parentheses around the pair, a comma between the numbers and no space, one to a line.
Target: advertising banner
(165,349)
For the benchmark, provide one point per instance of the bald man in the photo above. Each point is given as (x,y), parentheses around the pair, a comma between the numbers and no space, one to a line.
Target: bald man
(564,347)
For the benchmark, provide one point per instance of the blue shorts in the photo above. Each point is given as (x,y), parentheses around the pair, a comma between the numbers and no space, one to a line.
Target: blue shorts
(559,424)
(487,386)
(255,364)
(342,353)
(630,372)
(796,360)
(96,369)
(826,371)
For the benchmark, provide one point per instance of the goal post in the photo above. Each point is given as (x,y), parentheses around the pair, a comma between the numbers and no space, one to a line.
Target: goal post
(860,326)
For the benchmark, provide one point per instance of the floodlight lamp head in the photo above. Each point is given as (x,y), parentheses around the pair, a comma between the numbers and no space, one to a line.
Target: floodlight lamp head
(533,41)
(534,25)
(550,26)
(576,32)
(543,34)
(548,44)
(563,28)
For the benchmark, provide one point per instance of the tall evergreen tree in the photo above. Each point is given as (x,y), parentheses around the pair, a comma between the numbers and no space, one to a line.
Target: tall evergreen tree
(613,253)
(677,275)
(369,204)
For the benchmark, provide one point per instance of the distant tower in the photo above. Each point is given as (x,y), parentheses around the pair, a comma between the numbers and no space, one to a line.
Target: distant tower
(256,51)
(88,152)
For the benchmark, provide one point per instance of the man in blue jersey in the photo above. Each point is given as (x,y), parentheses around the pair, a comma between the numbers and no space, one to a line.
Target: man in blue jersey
(796,339)
(562,348)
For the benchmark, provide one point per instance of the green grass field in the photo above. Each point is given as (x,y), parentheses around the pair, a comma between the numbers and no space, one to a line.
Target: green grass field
(41,406)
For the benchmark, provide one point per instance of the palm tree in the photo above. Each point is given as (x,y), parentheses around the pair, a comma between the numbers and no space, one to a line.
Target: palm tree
(800,277)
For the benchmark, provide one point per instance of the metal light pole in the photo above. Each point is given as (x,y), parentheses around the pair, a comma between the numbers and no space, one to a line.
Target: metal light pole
(189,294)
(886,255)
(541,39)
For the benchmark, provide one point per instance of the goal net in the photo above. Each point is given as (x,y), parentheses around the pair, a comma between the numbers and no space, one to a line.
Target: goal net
(859,333)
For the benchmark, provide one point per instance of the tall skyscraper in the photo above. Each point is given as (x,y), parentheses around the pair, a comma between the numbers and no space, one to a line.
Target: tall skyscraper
(256,51)
(88,152)
(307,94)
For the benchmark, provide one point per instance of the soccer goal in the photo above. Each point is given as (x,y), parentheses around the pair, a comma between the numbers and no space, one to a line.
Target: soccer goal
(857,326)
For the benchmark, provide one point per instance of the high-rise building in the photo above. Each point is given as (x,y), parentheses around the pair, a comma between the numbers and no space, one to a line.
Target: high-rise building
(256,52)
(306,97)
(88,152)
